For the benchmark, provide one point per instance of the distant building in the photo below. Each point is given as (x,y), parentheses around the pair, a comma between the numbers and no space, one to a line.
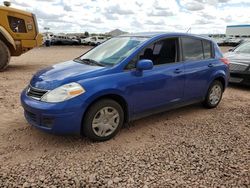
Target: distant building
(242,31)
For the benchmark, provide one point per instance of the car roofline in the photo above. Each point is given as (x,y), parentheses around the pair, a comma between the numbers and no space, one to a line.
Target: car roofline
(164,34)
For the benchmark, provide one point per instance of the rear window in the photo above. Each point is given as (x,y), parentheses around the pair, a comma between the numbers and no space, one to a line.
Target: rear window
(192,49)
(196,49)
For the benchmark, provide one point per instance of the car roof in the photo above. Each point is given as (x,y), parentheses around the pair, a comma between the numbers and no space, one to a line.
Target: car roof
(163,34)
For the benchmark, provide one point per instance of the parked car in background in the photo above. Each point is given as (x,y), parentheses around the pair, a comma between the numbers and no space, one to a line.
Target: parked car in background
(219,41)
(240,64)
(97,40)
(75,40)
(64,40)
(94,41)
(47,40)
(232,41)
(86,41)
(123,79)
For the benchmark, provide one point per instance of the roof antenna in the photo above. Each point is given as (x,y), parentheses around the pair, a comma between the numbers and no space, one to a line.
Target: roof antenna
(189,30)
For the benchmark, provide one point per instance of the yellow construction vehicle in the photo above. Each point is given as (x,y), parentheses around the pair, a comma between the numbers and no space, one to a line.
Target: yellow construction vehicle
(18,33)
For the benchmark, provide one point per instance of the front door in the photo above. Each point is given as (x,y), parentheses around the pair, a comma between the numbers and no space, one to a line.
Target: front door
(164,84)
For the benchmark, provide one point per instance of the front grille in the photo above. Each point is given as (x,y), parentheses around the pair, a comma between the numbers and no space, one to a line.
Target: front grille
(35,93)
(237,66)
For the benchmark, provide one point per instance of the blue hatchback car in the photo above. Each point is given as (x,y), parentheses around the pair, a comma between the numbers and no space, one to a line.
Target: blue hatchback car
(123,79)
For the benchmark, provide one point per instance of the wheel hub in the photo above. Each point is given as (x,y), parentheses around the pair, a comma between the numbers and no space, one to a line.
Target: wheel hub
(105,121)
(215,94)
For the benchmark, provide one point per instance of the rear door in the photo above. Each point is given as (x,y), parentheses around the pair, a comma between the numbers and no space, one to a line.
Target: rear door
(198,60)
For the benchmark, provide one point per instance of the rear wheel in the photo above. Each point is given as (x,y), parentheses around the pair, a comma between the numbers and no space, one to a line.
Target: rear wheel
(103,120)
(214,95)
(4,56)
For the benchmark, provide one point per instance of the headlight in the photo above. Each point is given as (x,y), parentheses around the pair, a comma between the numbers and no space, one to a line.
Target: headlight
(63,93)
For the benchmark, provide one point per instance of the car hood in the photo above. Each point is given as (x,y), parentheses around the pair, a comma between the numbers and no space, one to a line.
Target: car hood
(238,57)
(63,73)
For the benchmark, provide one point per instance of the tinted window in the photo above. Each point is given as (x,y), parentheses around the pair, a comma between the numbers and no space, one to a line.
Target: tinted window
(192,49)
(161,52)
(17,25)
(207,47)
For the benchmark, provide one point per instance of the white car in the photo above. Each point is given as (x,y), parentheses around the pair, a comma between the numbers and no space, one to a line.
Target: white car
(98,40)
(95,41)
(86,41)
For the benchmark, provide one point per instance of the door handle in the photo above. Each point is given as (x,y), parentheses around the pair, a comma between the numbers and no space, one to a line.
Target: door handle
(210,65)
(177,71)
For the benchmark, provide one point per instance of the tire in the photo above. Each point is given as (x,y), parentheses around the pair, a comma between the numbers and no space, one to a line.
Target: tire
(94,126)
(216,88)
(4,56)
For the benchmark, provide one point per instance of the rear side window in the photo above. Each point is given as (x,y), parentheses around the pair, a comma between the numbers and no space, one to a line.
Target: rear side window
(207,47)
(192,49)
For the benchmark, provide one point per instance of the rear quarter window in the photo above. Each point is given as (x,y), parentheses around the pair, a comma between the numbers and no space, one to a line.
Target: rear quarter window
(207,47)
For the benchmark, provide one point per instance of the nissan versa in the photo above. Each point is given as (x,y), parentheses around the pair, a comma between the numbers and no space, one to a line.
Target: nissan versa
(123,79)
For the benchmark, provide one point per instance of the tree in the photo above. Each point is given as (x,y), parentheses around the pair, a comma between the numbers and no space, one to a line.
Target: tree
(86,34)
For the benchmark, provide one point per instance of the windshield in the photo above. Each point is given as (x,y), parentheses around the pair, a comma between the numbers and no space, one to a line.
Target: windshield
(114,50)
(244,48)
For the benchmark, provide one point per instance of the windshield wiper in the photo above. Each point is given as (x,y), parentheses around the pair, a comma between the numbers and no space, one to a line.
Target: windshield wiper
(91,62)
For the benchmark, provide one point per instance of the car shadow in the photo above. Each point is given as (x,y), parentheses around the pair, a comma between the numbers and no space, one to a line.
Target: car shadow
(239,86)
(136,126)
(31,142)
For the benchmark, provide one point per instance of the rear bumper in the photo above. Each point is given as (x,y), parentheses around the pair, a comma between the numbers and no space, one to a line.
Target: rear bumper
(240,77)
(58,118)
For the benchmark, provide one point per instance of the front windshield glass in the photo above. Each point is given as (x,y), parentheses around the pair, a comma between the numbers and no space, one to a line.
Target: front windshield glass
(244,48)
(114,50)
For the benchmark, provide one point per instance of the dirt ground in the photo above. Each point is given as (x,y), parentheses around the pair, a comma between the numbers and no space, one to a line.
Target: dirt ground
(187,147)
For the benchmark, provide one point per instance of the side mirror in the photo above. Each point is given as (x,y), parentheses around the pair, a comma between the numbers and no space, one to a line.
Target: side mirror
(144,64)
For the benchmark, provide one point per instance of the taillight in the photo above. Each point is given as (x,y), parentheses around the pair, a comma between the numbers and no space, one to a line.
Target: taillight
(224,60)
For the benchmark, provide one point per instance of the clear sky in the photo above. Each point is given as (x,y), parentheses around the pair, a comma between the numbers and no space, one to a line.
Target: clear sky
(203,16)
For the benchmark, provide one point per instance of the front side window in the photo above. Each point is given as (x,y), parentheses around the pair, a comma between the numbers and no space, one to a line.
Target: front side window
(161,52)
(192,49)
(17,25)
(114,50)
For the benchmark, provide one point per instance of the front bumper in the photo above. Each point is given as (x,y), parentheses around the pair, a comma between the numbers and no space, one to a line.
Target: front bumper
(240,77)
(57,118)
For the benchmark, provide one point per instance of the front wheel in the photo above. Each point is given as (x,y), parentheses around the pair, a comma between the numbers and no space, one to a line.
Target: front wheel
(103,120)
(214,95)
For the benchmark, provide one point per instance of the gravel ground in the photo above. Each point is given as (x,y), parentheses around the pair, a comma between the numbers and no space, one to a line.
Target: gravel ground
(187,147)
